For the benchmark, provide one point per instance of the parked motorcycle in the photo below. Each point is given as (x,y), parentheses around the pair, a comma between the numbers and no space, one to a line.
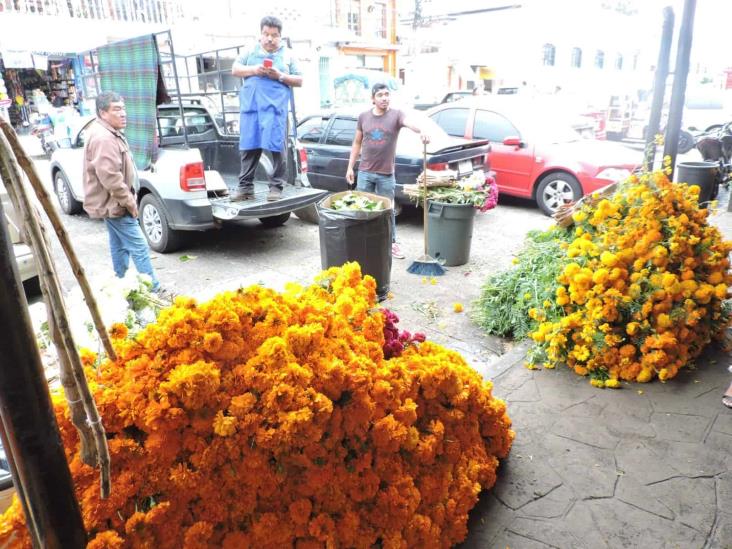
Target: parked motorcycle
(42,129)
(715,145)
(46,137)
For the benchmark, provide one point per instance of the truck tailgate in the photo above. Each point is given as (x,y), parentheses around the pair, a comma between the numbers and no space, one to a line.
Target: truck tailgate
(293,198)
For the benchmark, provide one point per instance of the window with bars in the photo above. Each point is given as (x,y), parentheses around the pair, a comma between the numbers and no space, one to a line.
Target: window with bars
(599,59)
(354,16)
(382,25)
(576,58)
(549,52)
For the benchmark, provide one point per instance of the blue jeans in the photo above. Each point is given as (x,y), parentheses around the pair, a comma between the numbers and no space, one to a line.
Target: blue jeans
(383,185)
(125,240)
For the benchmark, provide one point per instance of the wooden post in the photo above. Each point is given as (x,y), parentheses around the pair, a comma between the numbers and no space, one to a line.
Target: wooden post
(30,431)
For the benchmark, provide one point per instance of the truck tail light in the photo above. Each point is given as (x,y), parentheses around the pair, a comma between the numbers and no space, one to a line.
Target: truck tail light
(303,160)
(192,177)
(437,167)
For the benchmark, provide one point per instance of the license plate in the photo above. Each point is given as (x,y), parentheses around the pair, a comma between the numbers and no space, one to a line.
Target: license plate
(465,167)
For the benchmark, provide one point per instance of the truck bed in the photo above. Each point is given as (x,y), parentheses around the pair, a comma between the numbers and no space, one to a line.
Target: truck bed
(293,197)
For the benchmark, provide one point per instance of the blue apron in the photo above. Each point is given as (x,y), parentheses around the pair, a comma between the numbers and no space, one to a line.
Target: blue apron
(263,104)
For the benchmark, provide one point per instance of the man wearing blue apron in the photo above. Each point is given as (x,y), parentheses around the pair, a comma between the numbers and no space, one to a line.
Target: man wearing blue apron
(268,73)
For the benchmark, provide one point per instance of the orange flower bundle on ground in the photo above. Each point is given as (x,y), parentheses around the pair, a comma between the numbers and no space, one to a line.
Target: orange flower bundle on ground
(261,419)
(642,289)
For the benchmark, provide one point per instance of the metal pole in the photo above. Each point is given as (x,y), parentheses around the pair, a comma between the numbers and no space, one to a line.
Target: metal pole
(681,71)
(30,431)
(659,88)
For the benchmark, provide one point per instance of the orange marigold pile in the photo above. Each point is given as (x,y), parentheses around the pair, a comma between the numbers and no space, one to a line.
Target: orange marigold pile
(261,419)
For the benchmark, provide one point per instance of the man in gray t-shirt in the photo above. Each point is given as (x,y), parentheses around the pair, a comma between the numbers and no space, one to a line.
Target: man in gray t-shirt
(375,141)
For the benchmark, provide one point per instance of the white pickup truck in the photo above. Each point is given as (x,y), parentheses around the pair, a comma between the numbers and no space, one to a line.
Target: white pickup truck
(186,187)
(176,193)
(23,252)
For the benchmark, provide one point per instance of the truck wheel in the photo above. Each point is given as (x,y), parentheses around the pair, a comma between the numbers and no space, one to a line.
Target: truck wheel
(69,205)
(274,220)
(308,214)
(555,190)
(154,224)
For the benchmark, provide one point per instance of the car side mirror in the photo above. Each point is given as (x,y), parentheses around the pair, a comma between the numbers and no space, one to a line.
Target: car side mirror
(513,141)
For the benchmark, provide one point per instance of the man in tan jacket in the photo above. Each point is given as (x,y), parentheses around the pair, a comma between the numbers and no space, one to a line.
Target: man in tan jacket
(109,179)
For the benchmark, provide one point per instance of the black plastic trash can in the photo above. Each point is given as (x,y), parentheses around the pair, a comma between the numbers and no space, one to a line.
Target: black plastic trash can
(450,232)
(362,236)
(703,174)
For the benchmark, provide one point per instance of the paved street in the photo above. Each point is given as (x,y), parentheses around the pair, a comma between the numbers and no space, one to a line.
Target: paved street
(647,466)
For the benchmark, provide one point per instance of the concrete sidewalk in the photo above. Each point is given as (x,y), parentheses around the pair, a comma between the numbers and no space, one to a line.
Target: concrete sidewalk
(642,467)
(648,466)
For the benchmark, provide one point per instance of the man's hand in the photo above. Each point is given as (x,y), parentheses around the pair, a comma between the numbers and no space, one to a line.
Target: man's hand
(272,73)
(260,71)
(349,177)
(425,137)
(133,210)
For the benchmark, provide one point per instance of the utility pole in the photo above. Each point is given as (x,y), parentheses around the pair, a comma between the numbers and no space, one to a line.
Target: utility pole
(681,71)
(659,88)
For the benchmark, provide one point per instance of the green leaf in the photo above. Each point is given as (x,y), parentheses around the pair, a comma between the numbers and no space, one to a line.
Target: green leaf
(187,257)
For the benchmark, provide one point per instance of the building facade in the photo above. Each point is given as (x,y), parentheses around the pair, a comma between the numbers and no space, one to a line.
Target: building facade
(592,49)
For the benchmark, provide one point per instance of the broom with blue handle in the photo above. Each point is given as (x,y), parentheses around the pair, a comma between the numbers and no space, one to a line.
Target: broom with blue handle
(425,265)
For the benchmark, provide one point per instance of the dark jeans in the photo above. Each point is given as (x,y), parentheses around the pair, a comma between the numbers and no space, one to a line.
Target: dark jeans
(249,163)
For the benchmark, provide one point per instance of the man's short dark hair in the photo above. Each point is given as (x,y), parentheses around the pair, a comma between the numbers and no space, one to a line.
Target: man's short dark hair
(377,88)
(270,21)
(105,99)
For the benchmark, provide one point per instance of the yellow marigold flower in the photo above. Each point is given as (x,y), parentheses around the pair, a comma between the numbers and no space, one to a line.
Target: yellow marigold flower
(527,296)
(644,376)
(600,276)
(457,307)
(224,426)
(530,366)
(663,320)
(515,260)
(597,383)
(608,259)
(433,281)
(715,277)
(612,383)
(118,331)
(720,291)
(579,216)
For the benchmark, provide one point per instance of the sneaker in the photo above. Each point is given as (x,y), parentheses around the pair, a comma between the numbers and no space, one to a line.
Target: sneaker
(239,195)
(396,251)
(274,195)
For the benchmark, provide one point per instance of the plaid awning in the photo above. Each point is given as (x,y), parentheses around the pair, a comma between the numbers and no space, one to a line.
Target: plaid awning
(130,68)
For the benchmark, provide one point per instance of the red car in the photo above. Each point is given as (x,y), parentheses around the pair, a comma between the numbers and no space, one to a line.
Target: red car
(535,153)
